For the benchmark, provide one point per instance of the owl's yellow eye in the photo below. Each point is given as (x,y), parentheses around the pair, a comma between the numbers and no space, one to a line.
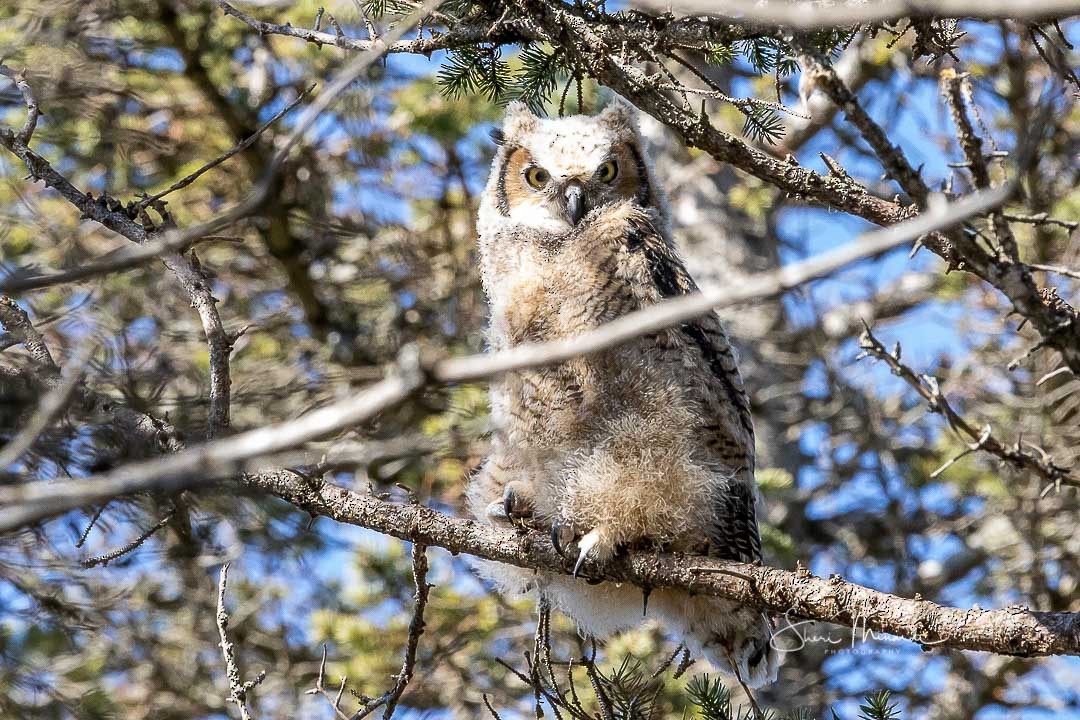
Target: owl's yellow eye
(537,177)
(607,172)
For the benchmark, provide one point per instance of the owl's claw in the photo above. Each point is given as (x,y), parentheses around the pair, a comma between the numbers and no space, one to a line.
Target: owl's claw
(517,501)
(515,506)
(585,544)
(562,536)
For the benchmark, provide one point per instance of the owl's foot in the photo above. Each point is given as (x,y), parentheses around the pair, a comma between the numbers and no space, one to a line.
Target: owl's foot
(514,508)
(565,539)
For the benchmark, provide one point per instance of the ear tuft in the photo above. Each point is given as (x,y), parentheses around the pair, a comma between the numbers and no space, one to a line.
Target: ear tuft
(517,121)
(620,115)
(497,136)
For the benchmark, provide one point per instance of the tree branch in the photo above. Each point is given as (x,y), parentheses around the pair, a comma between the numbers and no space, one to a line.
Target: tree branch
(238,690)
(686,33)
(927,387)
(810,16)
(32,110)
(23,332)
(243,144)
(891,156)
(502,32)
(114,215)
(953,86)
(131,546)
(320,688)
(1012,631)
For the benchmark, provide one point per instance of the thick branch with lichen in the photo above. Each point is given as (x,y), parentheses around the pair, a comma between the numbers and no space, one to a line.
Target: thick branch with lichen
(1011,631)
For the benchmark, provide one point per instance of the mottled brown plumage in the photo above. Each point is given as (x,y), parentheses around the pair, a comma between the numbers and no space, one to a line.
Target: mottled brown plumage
(648,444)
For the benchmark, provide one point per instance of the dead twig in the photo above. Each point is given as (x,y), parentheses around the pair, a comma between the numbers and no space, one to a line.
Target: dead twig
(32,109)
(242,145)
(927,387)
(955,87)
(129,547)
(1057,270)
(416,629)
(238,690)
(891,157)
(389,699)
(320,688)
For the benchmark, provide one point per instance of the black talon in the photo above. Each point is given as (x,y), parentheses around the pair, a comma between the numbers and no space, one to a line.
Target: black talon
(515,509)
(562,537)
(556,541)
(510,504)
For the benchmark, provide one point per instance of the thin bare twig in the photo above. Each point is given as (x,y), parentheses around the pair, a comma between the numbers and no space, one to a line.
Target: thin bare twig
(1057,270)
(90,525)
(387,43)
(891,157)
(955,90)
(487,702)
(243,144)
(715,91)
(32,110)
(758,715)
(390,698)
(416,629)
(1042,219)
(344,79)
(927,386)
(320,688)
(129,547)
(237,690)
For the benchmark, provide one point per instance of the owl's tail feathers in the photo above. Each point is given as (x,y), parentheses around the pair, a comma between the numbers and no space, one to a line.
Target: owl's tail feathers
(747,650)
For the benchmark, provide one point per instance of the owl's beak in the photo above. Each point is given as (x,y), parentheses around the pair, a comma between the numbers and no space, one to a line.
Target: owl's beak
(574,202)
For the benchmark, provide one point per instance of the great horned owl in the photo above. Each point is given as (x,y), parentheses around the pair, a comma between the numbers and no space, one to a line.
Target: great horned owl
(645,445)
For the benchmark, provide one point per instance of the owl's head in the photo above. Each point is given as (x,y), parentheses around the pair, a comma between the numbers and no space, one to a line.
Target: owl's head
(549,172)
